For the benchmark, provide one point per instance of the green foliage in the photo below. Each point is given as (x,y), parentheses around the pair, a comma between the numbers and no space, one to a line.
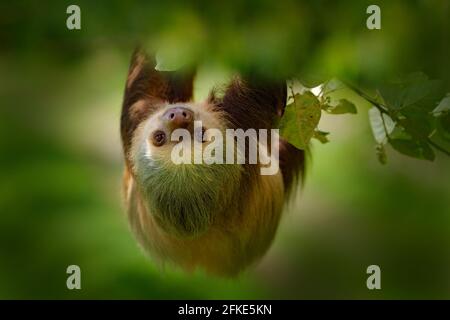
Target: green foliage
(60,199)
(300,120)
(413,104)
(443,126)
(443,106)
(344,106)
(322,136)
(408,114)
(414,148)
(302,116)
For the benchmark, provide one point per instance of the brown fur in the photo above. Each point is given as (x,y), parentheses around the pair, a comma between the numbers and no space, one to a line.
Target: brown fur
(244,228)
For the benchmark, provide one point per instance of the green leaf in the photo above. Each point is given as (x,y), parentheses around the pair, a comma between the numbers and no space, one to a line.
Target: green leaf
(443,106)
(413,148)
(391,96)
(399,133)
(300,120)
(379,126)
(312,80)
(415,89)
(344,106)
(416,92)
(417,125)
(443,126)
(322,136)
(381,153)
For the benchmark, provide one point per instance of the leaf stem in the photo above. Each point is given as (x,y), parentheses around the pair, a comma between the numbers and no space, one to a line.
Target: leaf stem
(366,96)
(292,91)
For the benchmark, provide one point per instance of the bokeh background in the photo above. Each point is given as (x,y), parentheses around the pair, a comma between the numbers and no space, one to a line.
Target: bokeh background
(61,160)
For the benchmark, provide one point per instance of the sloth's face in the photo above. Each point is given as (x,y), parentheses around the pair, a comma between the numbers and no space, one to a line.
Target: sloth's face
(156,136)
(184,198)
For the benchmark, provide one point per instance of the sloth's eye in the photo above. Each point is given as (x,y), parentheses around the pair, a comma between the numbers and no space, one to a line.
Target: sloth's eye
(158,138)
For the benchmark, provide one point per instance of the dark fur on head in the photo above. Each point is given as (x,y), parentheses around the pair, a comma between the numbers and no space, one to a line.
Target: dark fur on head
(146,83)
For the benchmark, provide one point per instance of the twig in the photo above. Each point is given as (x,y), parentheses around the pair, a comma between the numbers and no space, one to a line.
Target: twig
(380,107)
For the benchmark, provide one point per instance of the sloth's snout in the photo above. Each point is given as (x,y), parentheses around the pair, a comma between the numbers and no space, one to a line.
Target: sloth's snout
(172,119)
(179,117)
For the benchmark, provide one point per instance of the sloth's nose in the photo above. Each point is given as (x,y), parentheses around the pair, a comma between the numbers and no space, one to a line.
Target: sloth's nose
(179,117)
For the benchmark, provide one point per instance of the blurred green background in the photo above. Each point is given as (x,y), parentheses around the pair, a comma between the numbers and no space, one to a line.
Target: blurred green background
(61,159)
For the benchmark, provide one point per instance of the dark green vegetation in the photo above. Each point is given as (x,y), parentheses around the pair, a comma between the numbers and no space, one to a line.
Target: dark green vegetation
(61,162)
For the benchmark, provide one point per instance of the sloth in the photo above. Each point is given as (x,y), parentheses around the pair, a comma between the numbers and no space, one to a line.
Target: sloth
(220,218)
